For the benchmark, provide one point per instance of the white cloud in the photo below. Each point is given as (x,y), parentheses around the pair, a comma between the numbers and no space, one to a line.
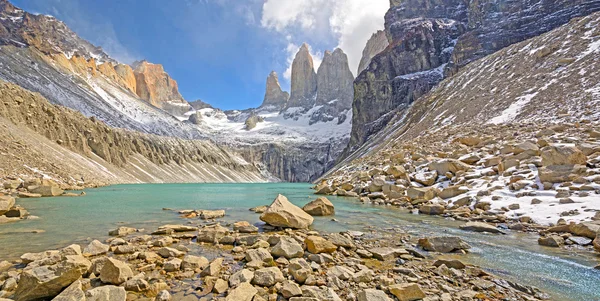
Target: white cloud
(349,22)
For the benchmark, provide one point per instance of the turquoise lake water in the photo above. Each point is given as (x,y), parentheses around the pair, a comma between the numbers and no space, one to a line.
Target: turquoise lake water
(565,275)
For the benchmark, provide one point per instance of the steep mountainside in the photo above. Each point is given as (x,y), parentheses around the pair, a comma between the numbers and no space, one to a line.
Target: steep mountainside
(44,139)
(431,39)
(549,79)
(41,54)
(513,137)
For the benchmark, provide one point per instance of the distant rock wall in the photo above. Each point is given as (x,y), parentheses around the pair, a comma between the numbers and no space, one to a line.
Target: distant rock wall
(274,96)
(158,88)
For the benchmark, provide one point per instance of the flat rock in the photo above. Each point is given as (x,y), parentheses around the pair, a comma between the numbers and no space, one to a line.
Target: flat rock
(480,227)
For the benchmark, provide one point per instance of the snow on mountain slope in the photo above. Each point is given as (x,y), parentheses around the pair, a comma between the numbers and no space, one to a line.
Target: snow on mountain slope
(230,127)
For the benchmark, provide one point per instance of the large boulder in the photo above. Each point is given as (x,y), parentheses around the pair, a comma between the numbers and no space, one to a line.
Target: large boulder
(212,233)
(562,155)
(72,293)
(106,293)
(46,190)
(448,165)
(317,244)
(115,272)
(407,291)
(244,292)
(373,295)
(480,227)
(443,244)
(282,213)
(560,173)
(319,207)
(267,276)
(40,282)
(6,202)
(96,248)
(287,247)
(417,193)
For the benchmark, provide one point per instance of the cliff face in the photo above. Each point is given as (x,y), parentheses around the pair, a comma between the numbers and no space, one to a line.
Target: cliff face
(375,45)
(334,86)
(274,96)
(431,39)
(158,88)
(46,33)
(304,80)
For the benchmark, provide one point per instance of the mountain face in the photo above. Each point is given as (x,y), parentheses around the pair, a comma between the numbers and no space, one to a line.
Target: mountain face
(274,96)
(158,88)
(432,39)
(375,45)
(304,80)
(334,87)
(41,54)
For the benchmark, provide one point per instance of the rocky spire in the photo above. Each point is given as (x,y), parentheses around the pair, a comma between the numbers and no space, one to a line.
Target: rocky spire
(334,81)
(304,80)
(376,44)
(274,96)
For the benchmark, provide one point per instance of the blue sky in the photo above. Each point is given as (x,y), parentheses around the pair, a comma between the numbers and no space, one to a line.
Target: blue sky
(220,51)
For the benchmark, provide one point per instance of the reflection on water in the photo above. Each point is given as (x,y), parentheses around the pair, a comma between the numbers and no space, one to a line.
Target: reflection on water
(565,275)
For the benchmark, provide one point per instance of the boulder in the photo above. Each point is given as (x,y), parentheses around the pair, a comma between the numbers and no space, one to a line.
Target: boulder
(596,242)
(317,244)
(282,213)
(588,229)
(192,262)
(47,281)
(287,247)
(432,209)
(137,284)
(259,255)
(299,269)
(387,253)
(96,248)
(72,293)
(106,293)
(290,289)
(452,191)
(115,272)
(319,207)
(267,276)
(426,178)
(443,244)
(213,268)
(211,214)
(167,252)
(416,193)
(373,295)
(551,241)
(46,190)
(480,227)
(244,227)
(323,188)
(172,265)
(244,292)
(122,231)
(560,173)
(448,165)
(241,276)
(178,228)
(407,291)
(6,203)
(212,234)
(562,155)
(341,241)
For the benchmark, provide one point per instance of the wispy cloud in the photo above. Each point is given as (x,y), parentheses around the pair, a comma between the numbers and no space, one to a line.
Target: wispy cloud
(349,22)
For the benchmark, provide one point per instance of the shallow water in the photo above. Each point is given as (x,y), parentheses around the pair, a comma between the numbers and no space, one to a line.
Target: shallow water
(565,275)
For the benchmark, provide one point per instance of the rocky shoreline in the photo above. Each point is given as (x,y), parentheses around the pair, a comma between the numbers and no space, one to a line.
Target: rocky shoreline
(15,188)
(520,177)
(280,260)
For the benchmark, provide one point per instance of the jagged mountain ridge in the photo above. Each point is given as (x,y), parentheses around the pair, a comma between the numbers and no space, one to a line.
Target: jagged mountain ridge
(82,77)
(433,39)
